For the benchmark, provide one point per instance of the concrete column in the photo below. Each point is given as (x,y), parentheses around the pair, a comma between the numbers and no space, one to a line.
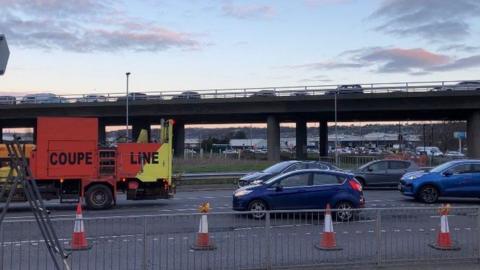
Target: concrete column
(273,138)
(179,139)
(473,135)
(323,139)
(138,125)
(102,135)
(301,139)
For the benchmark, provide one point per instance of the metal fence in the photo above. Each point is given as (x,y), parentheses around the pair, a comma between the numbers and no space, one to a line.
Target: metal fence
(368,88)
(283,239)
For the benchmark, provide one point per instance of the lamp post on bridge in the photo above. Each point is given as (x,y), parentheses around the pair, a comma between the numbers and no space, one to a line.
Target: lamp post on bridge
(126,114)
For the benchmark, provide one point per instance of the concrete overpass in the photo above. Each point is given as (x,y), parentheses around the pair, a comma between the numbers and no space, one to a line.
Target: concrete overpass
(397,105)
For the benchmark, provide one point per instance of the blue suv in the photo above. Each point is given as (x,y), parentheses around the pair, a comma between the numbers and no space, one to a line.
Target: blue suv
(303,189)
(458,178)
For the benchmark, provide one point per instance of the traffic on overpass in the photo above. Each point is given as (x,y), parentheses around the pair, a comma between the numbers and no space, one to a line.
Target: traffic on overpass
(298,135)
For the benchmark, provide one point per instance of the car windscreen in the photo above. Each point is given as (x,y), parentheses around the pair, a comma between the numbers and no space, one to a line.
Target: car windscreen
(277,168)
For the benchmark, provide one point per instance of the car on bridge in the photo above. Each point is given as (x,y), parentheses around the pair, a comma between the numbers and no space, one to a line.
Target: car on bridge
(134,96)
(8,100)
(42,98)
(264,93)
(188,95)
(384,172)
(303,189)
(461,86)
(458,178)
(281,168)
(346,89)
(92,98)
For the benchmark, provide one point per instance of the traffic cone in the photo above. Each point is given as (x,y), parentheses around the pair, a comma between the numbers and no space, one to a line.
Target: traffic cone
(444,241)
(203,239)
(79,241)
(328,241)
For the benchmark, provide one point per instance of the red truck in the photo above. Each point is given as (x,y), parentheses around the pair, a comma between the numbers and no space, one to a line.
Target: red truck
(68,164)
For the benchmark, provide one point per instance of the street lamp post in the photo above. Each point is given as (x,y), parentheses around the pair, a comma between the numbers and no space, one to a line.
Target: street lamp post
(126,114)
(336,133)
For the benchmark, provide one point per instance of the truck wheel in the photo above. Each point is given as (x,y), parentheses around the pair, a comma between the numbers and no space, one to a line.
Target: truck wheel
(98,197)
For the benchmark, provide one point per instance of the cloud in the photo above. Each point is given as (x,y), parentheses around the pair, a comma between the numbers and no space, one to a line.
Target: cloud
(400,60)
(416,61)
(433,20)
(459,47)
(316,3)
(84,26)
(461,63)
(247,11)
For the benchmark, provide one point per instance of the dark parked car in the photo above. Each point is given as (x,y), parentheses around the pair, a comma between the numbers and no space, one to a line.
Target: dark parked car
(283,167)
(346,89)
(458,178)
(188,95)
(304,189)
(384,172)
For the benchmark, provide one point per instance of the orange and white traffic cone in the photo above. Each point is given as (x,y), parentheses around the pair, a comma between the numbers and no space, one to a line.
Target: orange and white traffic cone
(79,240)
(328,241)
(203,239)
(444,241)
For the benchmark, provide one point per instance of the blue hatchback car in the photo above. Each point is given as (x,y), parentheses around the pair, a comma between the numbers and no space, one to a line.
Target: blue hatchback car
(458,178)
(303,189)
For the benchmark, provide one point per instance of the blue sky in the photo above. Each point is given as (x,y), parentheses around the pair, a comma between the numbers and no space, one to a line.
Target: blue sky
(82,46)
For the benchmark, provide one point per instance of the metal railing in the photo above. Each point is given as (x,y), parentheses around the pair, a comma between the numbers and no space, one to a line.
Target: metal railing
(281,239)
(259,92)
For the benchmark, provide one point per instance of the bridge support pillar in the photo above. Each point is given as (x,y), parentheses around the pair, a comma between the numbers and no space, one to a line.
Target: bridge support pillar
(138,125)
(301,139)
(323,139)
(178,139)
(273,138)
(102,135)
(473,135)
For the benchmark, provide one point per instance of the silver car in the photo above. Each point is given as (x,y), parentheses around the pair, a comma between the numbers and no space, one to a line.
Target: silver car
(92,98)
(42,98)
(7,100)
(461,86)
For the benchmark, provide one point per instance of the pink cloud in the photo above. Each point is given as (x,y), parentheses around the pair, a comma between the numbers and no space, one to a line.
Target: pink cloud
(248,11)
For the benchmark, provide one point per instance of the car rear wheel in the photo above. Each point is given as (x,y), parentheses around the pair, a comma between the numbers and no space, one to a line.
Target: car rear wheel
(258,208)
(344,211)
(428,194)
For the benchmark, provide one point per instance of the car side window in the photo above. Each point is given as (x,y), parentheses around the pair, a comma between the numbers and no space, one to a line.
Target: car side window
(475,168)
(379,166)
(296,180)
(293,167)
(398,165)
(324,179)
(460,169)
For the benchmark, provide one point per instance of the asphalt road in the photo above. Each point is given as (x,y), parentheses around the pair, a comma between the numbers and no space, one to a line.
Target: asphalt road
(123,239)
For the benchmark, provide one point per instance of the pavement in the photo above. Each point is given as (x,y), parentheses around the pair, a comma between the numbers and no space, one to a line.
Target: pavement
(123,238)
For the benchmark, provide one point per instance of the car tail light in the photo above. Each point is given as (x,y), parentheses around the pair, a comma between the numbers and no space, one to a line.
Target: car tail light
(355,185)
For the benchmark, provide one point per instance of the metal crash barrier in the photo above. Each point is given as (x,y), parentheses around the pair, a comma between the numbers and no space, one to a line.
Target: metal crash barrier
(237,240)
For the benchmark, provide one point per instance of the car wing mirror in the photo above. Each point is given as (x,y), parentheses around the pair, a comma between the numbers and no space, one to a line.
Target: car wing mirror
(279,188)
(369,170)
(447,173)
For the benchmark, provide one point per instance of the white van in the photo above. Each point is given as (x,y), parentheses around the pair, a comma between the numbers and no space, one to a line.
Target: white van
(429,151)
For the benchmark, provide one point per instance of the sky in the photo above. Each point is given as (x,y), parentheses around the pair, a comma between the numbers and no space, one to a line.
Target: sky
(86,46)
